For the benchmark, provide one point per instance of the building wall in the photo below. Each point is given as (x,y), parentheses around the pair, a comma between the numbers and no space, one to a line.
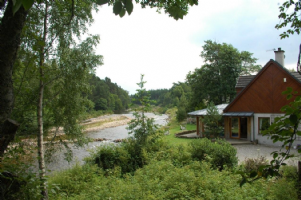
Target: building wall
(264,93)
(265,139)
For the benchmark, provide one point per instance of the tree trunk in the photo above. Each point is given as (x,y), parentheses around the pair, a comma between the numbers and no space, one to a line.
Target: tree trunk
(41,158)
(10,30)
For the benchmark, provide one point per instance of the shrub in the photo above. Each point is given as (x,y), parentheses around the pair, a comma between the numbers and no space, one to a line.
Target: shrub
(110,156)
(129,155)
(212,121)
(164,180)
(218,153)
(253,164)
(181,114)
(289,172)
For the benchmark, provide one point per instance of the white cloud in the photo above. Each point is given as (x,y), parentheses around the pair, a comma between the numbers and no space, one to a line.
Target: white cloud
(165,50)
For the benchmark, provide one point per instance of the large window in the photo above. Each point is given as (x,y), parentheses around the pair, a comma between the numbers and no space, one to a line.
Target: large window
(263,124)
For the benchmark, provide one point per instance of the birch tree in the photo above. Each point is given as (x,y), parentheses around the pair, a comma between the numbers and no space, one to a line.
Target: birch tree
(62,68)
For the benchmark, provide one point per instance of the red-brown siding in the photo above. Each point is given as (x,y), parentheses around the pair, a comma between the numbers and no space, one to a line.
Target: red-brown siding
(263,94)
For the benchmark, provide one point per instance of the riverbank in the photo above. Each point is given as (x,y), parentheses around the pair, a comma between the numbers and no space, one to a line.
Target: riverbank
(105,121)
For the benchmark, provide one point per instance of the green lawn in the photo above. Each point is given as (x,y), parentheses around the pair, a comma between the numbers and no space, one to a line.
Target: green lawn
(176,129)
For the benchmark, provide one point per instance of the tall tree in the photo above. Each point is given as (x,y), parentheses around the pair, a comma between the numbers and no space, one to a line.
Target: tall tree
(11,27)
(215,80)
(10,30)
(141,126)
(62,67)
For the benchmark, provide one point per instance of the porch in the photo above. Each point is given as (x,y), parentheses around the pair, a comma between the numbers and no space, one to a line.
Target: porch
(194,135)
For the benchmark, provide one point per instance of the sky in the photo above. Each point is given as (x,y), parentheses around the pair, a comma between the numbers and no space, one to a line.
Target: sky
(166,50)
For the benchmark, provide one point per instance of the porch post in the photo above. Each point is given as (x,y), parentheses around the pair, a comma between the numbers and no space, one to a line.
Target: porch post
(197,125)
(203,128)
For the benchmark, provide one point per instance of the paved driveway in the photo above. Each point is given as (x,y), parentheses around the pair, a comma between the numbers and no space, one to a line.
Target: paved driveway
(254,151)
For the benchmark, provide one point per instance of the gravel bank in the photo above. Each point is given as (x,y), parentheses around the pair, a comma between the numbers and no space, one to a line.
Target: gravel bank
(254,151)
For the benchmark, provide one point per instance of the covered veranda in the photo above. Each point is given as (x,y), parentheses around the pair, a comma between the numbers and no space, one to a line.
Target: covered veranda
(200,128)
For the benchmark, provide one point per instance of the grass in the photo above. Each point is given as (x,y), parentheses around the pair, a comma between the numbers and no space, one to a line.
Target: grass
(174,128)
(173,140)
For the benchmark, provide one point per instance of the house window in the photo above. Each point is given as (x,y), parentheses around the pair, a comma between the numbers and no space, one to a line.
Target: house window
(263,124)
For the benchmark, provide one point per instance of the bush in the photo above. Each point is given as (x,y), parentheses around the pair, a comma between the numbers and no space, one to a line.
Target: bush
(110,156)
(218,153)
(129,155)
(289,172)
(181,114)
(253,164)
(164,180)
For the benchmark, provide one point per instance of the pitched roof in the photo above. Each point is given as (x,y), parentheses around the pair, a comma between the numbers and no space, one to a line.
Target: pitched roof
(247,81)
(243,81)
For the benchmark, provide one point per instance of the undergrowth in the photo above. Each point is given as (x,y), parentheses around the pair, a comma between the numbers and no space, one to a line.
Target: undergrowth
(166,172)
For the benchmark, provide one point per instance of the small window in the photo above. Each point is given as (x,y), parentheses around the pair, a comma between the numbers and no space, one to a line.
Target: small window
(263,124)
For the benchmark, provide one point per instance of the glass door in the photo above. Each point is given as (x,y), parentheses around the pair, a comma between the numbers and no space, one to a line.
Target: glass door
(235,127)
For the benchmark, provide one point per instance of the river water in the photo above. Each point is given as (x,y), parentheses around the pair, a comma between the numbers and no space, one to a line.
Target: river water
(110,134)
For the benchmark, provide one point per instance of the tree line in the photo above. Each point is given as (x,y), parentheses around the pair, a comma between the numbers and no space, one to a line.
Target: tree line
(108,96)
(213,82)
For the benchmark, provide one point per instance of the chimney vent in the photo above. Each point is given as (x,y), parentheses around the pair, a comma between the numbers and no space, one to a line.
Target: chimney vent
(279,56)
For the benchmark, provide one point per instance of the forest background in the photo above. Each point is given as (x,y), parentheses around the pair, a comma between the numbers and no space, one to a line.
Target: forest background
(53,72)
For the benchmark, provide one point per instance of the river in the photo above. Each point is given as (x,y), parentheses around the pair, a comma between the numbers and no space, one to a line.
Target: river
(110,134)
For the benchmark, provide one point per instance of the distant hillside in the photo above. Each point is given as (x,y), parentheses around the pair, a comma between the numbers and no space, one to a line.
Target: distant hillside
(107,95)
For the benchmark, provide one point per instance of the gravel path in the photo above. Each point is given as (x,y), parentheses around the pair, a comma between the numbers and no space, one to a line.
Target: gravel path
(254,151)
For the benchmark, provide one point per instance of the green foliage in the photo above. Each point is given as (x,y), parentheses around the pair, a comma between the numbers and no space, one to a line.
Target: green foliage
(164,180)
(181,114)
(175,9)
(289,19)
(212,121)
(253,164)
(289,172)
(248,66)
(17,180)
(127,157)
(173,96)
(141,126)
(66,71)
(219,153)
(107,95)
(73,181)
(216,79)
(109,157)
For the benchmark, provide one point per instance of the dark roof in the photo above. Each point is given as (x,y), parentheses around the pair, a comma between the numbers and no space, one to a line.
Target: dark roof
(243,81)
(238,114)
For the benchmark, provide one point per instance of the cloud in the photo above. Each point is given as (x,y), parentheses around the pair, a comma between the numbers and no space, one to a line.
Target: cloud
(165,50)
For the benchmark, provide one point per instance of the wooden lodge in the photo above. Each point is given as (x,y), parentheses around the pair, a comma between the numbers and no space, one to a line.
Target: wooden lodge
(258,101)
